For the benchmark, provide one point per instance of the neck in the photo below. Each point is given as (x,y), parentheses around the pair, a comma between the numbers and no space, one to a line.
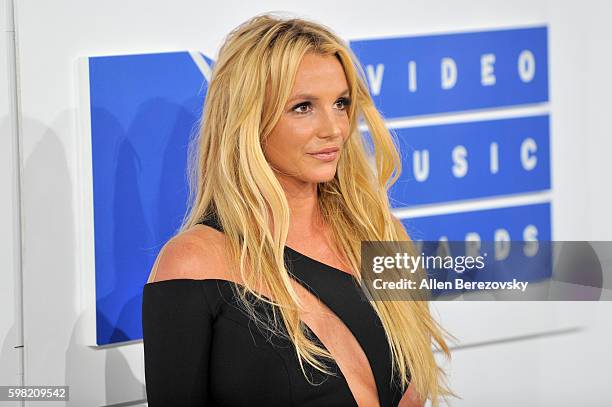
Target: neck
(305,216)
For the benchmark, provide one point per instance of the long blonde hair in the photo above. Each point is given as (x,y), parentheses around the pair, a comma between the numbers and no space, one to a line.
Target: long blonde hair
(230,177)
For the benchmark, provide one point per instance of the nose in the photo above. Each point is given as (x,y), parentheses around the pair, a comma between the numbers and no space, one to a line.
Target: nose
(330,124)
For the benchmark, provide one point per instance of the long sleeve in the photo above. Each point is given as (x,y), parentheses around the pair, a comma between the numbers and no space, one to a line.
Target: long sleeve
(177,325)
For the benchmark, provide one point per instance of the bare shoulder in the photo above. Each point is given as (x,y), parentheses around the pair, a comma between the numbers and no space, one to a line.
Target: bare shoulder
(197,253)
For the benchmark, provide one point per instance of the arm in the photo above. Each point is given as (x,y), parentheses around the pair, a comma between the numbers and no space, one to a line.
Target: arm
(176,323)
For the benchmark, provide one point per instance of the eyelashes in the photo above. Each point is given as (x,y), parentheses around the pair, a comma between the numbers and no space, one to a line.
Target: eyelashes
(346,102)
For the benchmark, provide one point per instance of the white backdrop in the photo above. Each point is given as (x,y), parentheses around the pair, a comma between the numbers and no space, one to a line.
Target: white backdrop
(535,353)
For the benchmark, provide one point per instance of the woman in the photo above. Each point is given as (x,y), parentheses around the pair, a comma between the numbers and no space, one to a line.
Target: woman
(257,300)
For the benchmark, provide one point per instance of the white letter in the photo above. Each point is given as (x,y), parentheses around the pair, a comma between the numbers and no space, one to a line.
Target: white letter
(376,264)
(530,236)
(375,78)
(526,66)
(502,244)
(529,161)
(494,162)
(460,167)
(412,84)
(449,73)
(487,77)
(420,167)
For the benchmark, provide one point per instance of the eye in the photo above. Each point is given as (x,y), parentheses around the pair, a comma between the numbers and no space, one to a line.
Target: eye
(302,108)
(344,103)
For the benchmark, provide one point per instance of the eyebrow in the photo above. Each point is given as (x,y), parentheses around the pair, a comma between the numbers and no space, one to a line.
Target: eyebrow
(308,96)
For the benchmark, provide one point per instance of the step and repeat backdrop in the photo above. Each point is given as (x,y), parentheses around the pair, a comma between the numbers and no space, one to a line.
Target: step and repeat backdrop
(141,111)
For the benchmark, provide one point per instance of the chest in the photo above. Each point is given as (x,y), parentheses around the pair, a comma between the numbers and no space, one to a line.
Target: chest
(342,344)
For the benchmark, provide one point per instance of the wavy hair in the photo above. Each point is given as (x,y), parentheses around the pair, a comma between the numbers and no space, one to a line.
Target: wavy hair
(231,179)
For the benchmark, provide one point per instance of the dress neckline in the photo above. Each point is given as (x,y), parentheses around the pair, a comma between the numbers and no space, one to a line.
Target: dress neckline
(213,222)
(317,262)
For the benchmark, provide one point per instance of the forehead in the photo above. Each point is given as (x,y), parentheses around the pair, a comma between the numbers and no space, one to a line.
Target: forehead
(319,74)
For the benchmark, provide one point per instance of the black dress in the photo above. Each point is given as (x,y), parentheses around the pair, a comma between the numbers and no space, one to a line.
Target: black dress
(201,348)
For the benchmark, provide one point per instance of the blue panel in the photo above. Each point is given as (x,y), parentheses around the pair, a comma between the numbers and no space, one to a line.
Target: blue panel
(456,226)
(520,71)
(517,224)
(451,162)
(144,109)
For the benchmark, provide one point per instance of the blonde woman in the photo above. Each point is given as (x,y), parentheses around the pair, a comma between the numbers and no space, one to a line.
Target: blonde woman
(257,302)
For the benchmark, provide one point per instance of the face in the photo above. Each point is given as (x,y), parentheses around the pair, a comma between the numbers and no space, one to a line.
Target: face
(305,145)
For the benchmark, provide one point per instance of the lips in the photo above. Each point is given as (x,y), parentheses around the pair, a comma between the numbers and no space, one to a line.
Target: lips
(327,150)
(326,154)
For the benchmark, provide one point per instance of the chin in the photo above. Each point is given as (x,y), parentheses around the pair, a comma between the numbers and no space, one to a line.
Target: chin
(319,178)
(315,175)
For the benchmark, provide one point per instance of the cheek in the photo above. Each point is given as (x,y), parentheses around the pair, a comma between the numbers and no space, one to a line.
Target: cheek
(287,141)
(345,129)
(285,149)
